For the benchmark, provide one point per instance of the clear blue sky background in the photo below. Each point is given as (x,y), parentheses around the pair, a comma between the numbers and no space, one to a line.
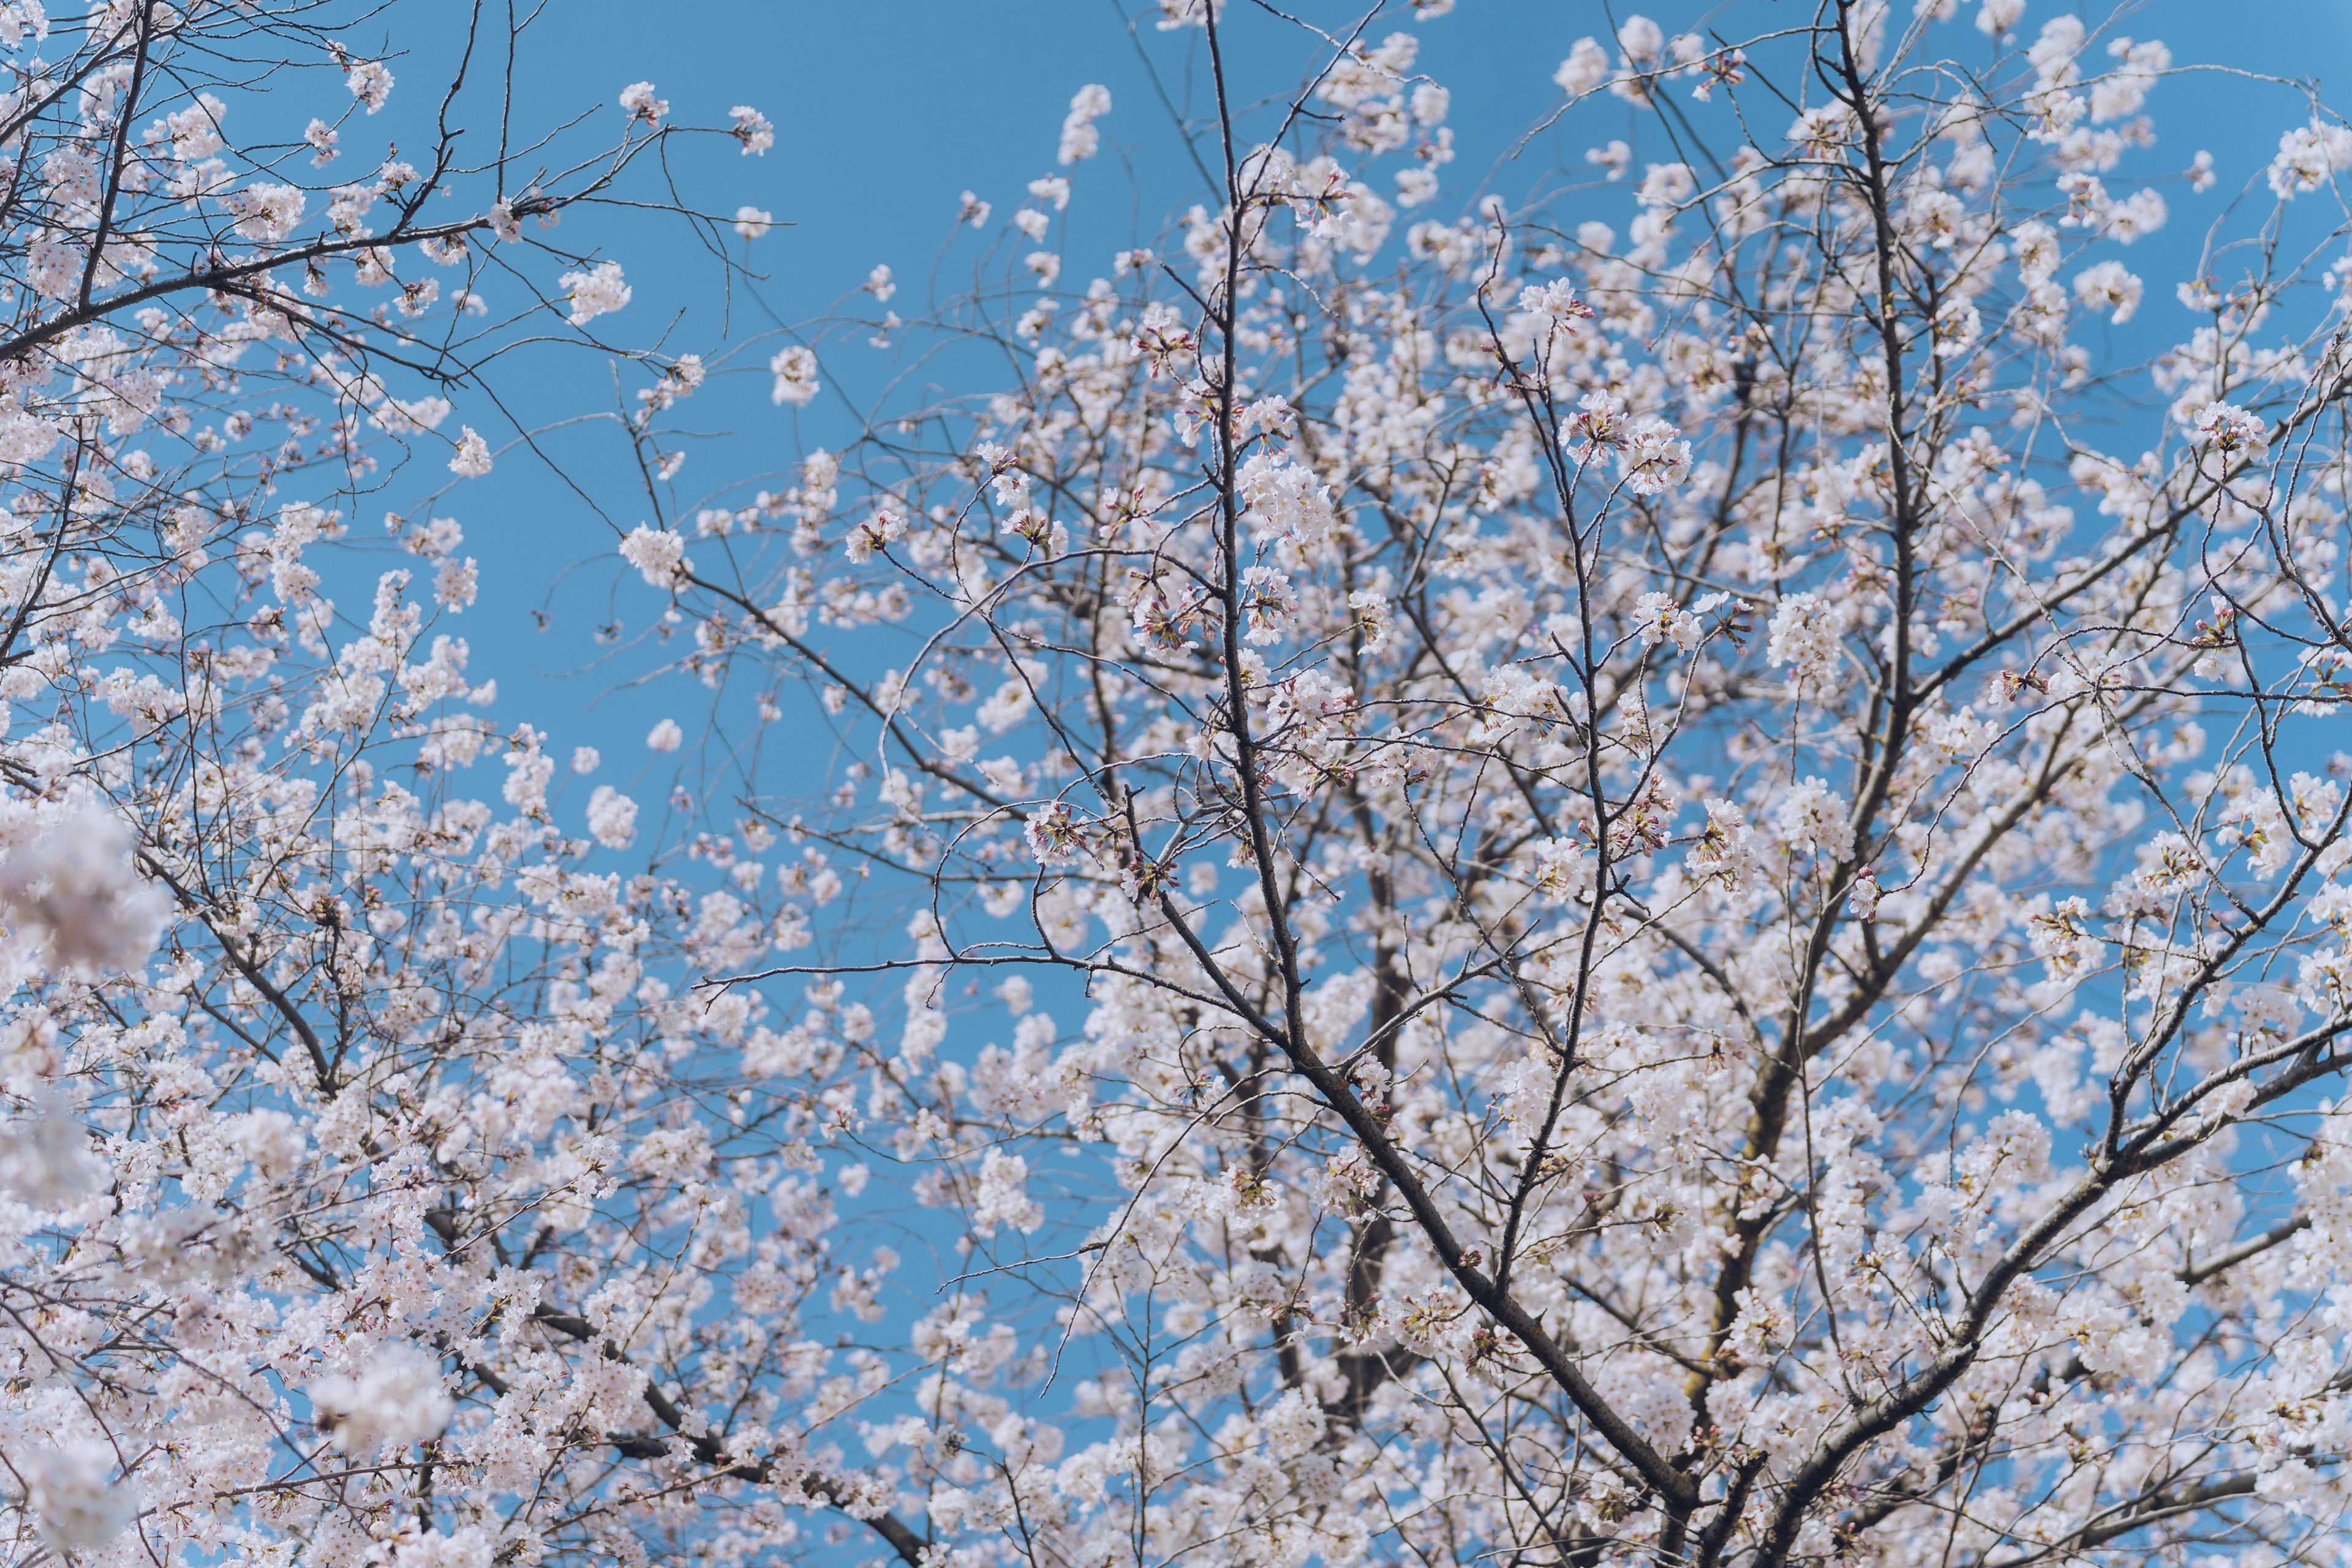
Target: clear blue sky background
(886,112)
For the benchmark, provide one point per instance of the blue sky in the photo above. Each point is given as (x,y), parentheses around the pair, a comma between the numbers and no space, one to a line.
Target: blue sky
(886,113)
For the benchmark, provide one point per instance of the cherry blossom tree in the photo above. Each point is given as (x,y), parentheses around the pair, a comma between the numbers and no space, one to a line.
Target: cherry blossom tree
(1665,897)
(289,1013)
(1668,895)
